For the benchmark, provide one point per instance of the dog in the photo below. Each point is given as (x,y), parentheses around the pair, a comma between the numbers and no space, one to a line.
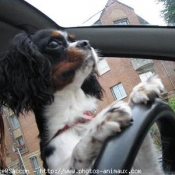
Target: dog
(53,75)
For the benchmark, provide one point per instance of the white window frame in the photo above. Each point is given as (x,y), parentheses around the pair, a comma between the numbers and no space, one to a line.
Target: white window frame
(35,165)
(144,76)
(21,144)
(14,122)
(118,91)
(102,66)
(123,21)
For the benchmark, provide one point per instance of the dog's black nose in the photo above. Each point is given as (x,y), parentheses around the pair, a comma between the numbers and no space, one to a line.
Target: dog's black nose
(83,44)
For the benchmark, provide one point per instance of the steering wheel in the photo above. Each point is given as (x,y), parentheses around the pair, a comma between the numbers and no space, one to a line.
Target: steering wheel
(120,151)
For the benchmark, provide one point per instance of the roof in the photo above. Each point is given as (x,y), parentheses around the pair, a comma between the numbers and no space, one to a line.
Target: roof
(109,3)
(142,21)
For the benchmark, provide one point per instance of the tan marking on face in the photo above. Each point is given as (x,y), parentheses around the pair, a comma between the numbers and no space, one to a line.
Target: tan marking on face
(56,34)
(74,58)
(59,81)
(74,54)
(73,61)
(72,36)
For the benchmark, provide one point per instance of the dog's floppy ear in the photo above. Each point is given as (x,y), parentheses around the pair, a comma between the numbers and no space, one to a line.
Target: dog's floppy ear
(24,76)
(92,87)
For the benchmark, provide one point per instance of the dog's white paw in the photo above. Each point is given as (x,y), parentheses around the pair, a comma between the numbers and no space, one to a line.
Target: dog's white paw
(146,91)
(116,117)
(119,112)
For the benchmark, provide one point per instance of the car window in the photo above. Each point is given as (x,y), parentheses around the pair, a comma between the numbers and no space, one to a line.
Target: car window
(117,75)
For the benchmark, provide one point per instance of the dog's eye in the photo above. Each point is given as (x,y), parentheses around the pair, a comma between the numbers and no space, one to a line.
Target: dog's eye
(54,44)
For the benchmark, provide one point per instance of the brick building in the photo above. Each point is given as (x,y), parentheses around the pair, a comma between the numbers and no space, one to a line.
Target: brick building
(22,143)
(117,76)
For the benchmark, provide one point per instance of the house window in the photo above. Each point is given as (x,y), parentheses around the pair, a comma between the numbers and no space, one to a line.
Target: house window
(102,66)
(14,121)
(118,91)
(21,144)
(121,22)
(145,76)
(139,64)
(35,165)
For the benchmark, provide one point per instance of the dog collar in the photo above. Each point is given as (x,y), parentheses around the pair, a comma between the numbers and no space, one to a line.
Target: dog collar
(89,115)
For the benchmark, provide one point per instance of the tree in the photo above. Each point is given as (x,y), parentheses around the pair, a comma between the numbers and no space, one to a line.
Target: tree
(169,11)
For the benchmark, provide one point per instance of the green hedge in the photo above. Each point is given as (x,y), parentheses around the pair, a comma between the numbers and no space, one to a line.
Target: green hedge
(171,102)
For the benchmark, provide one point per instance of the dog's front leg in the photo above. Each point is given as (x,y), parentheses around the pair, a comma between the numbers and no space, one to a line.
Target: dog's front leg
(147,159)
(109,121)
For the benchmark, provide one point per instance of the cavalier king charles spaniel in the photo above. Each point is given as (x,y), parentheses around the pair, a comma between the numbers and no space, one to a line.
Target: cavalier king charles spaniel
(53,75)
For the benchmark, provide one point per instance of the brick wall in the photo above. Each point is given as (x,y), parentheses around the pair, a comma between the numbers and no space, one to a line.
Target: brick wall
(121,70)
(116,11)
(29,131)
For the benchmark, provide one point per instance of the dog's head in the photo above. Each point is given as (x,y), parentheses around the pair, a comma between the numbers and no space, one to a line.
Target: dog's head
(71,61)
(35,66)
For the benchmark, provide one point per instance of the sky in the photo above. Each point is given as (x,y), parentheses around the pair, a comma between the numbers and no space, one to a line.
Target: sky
(69,13)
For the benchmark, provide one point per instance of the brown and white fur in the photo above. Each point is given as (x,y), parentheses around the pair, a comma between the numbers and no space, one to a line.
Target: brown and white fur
(54,76)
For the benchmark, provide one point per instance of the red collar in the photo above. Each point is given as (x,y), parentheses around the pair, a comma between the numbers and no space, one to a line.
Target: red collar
(89,115)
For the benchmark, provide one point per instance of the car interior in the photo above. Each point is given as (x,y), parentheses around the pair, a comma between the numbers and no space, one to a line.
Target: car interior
(112,41)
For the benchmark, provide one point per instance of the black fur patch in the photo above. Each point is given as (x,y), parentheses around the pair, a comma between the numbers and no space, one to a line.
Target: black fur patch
(25,81)
(48,151)
(92,87)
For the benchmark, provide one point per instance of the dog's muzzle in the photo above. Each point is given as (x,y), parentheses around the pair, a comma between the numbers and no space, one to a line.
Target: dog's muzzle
(83,44)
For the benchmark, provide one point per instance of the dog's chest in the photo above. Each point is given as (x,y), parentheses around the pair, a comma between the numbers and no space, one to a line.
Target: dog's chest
(62,146)
(66,109)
